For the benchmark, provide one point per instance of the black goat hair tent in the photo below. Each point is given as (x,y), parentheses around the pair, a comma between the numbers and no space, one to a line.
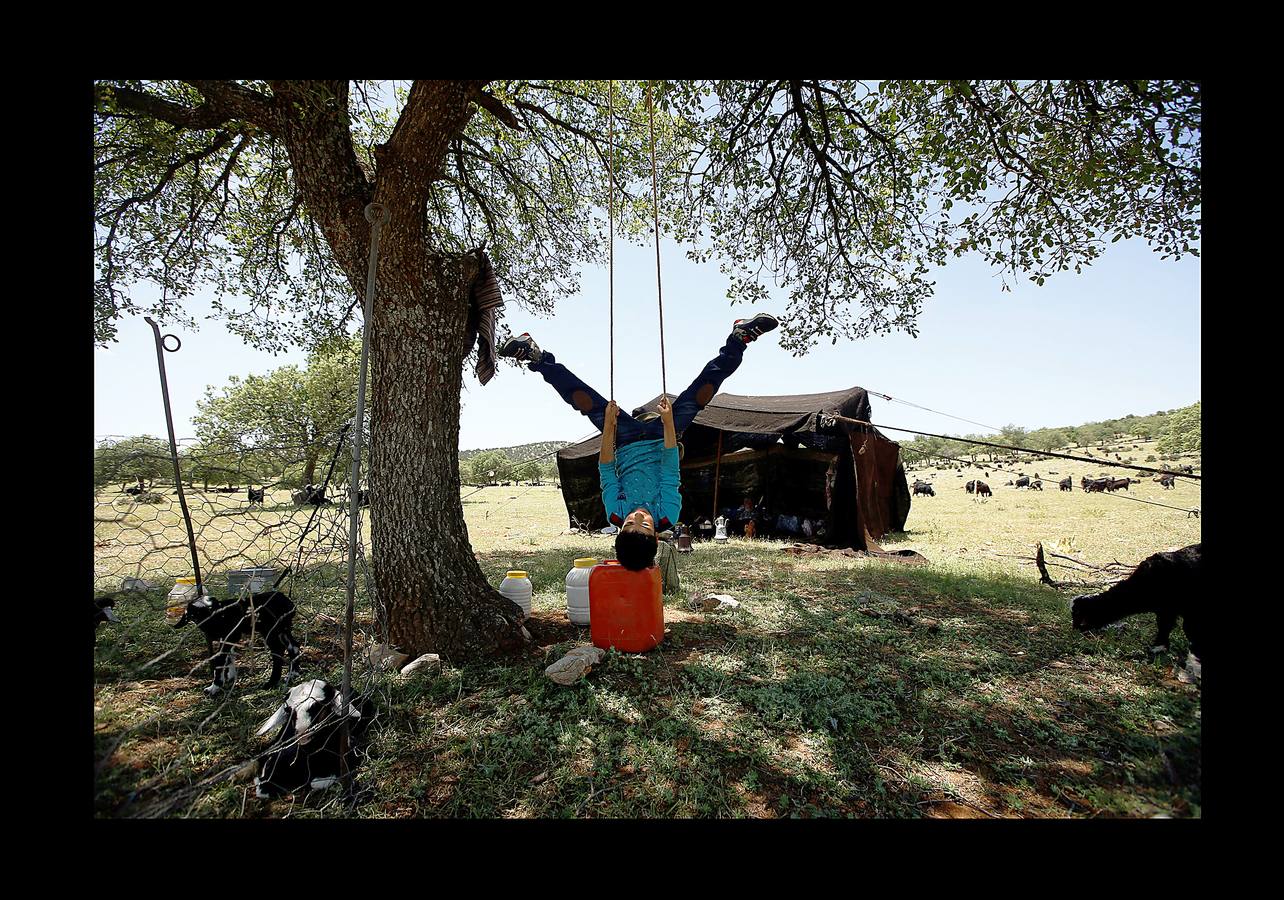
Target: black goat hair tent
(786,453)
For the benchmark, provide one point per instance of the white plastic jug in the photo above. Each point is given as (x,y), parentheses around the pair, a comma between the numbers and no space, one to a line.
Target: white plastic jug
(577,590)
(517,587)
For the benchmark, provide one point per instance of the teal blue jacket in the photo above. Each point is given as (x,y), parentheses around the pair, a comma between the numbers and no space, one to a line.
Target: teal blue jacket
(644,474)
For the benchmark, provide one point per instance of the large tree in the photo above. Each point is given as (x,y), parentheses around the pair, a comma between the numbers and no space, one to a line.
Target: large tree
(849,193)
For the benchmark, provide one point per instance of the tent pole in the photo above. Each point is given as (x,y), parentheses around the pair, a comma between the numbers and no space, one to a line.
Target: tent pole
(717,469)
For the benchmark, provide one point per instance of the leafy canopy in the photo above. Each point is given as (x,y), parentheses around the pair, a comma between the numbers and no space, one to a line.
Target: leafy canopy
(847,193)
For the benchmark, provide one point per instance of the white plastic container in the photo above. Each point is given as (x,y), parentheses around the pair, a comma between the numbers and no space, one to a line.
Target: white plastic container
(517,587)
(241,582)
(182,593)
(577,591)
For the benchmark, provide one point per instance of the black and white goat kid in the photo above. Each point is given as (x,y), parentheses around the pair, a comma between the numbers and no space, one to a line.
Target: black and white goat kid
(305,752)
(1170,585)
(229,623)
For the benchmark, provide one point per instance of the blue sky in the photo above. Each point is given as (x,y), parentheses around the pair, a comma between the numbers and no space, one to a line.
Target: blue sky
(1122,337)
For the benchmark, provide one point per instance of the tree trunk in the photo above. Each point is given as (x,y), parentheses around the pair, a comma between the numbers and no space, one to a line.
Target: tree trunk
(435,596)
(310,467)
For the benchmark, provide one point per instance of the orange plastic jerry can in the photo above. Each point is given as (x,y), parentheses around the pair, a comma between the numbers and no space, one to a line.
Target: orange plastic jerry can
(626,610)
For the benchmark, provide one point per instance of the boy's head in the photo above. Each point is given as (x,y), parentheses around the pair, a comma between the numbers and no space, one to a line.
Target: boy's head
(636,544)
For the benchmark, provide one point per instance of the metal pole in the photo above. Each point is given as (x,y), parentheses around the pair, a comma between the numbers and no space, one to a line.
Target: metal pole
(161,350)
(376,215)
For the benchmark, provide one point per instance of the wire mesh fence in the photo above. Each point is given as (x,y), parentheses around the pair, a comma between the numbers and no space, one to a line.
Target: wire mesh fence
(258,514)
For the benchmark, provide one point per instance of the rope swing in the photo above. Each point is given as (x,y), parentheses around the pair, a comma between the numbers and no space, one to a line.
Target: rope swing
(655,205)
(610,213)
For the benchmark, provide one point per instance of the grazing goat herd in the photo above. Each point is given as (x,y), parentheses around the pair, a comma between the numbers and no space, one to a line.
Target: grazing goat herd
(1086,484)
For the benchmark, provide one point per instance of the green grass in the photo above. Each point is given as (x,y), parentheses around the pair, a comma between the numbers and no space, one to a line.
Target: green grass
(811,700)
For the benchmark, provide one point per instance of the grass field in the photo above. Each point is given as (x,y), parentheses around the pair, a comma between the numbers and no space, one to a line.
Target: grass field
(840,687)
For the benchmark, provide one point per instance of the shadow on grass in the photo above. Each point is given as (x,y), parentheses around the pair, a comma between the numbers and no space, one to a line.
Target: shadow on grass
(869,689)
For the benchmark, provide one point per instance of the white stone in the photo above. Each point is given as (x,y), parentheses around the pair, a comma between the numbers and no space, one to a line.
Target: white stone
(429,662)
(575,664)
(712,602)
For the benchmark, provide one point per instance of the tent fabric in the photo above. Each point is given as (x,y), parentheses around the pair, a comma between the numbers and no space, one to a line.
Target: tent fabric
(804,415)
(848,475)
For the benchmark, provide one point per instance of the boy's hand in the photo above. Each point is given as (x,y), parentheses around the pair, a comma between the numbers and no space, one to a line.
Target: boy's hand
(666,417)
(612,412)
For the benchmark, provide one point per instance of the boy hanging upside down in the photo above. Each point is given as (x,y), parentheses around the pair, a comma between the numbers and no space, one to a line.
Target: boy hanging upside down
(638,464)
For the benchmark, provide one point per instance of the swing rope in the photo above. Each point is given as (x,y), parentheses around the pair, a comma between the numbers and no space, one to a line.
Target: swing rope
(610,213)
(655,205)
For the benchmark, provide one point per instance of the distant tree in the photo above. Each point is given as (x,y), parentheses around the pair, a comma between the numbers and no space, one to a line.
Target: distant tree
(1013,435)
(528,471)
(1047,439)
(289,415)
(1183,434)
(493,465)
(1091,433)
(218,466)
(125,461)
(548,469)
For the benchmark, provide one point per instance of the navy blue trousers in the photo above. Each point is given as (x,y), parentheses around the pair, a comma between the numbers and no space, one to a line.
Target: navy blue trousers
(628,429)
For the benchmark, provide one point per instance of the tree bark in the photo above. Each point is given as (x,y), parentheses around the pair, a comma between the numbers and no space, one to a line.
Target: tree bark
(435,596)
(310,467)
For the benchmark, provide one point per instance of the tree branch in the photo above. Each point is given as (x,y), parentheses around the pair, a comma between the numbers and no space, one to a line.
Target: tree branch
(496,108)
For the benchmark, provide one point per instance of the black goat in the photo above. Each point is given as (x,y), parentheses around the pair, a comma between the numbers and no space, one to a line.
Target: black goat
(256,496)
(103,610)
(1170,585)
(311,493)
(305,752)
(227,623)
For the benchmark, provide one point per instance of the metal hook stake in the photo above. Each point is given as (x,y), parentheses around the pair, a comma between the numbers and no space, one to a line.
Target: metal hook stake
(377,216)
(161,350)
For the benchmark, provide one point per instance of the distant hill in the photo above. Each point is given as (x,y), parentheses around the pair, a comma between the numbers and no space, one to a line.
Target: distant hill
(520,453)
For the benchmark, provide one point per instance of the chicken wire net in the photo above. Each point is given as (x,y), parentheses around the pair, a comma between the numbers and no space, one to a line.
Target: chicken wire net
(257,514)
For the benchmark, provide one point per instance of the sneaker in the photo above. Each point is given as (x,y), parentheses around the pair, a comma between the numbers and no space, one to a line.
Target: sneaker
(752,329)
(521,347)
